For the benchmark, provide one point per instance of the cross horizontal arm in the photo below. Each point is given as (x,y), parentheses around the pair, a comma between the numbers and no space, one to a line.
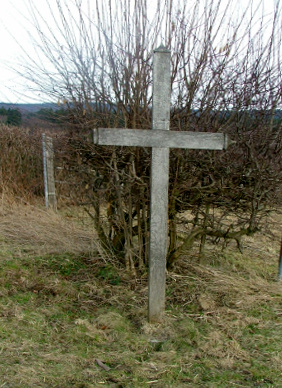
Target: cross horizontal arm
(160,138)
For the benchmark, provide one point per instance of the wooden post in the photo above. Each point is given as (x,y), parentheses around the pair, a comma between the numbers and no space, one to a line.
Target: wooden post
(159,186)
(280,264)
(160,139)
(48,169)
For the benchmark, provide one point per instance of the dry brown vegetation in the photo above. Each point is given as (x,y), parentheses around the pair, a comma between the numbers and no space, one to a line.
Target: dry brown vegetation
(21,161)
(71,318)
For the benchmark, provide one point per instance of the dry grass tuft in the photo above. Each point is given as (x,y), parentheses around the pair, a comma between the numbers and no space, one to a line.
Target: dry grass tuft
(40,231)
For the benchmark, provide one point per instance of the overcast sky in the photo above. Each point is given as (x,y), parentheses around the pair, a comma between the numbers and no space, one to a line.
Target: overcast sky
(12,33)
(14,29)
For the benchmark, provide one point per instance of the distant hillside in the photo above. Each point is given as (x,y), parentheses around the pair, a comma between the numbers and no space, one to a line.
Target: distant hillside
(42,114)
(29,108)
(34,108)
(31,115)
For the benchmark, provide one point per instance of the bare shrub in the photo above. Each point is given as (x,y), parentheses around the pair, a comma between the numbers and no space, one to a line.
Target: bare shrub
(226,77)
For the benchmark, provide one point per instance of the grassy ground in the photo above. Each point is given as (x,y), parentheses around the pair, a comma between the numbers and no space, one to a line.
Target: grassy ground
(69,318)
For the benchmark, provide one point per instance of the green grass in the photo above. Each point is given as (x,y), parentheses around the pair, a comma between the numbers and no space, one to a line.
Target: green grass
(61,312)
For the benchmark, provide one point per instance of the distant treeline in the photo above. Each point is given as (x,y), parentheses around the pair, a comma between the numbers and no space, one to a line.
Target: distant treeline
(56,116)
(65,114)
(52,113)
(10,116)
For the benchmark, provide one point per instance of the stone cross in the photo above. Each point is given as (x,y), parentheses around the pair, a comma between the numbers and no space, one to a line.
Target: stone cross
(160,139)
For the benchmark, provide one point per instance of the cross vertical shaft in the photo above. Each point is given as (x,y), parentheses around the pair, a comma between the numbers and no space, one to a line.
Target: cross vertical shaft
(159,186)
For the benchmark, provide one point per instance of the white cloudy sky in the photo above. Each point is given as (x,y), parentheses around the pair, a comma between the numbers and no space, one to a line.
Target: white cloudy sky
(14,28)
(14,36)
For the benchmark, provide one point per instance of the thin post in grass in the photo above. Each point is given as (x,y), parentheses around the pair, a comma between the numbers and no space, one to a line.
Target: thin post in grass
(48,171)
(280,264)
